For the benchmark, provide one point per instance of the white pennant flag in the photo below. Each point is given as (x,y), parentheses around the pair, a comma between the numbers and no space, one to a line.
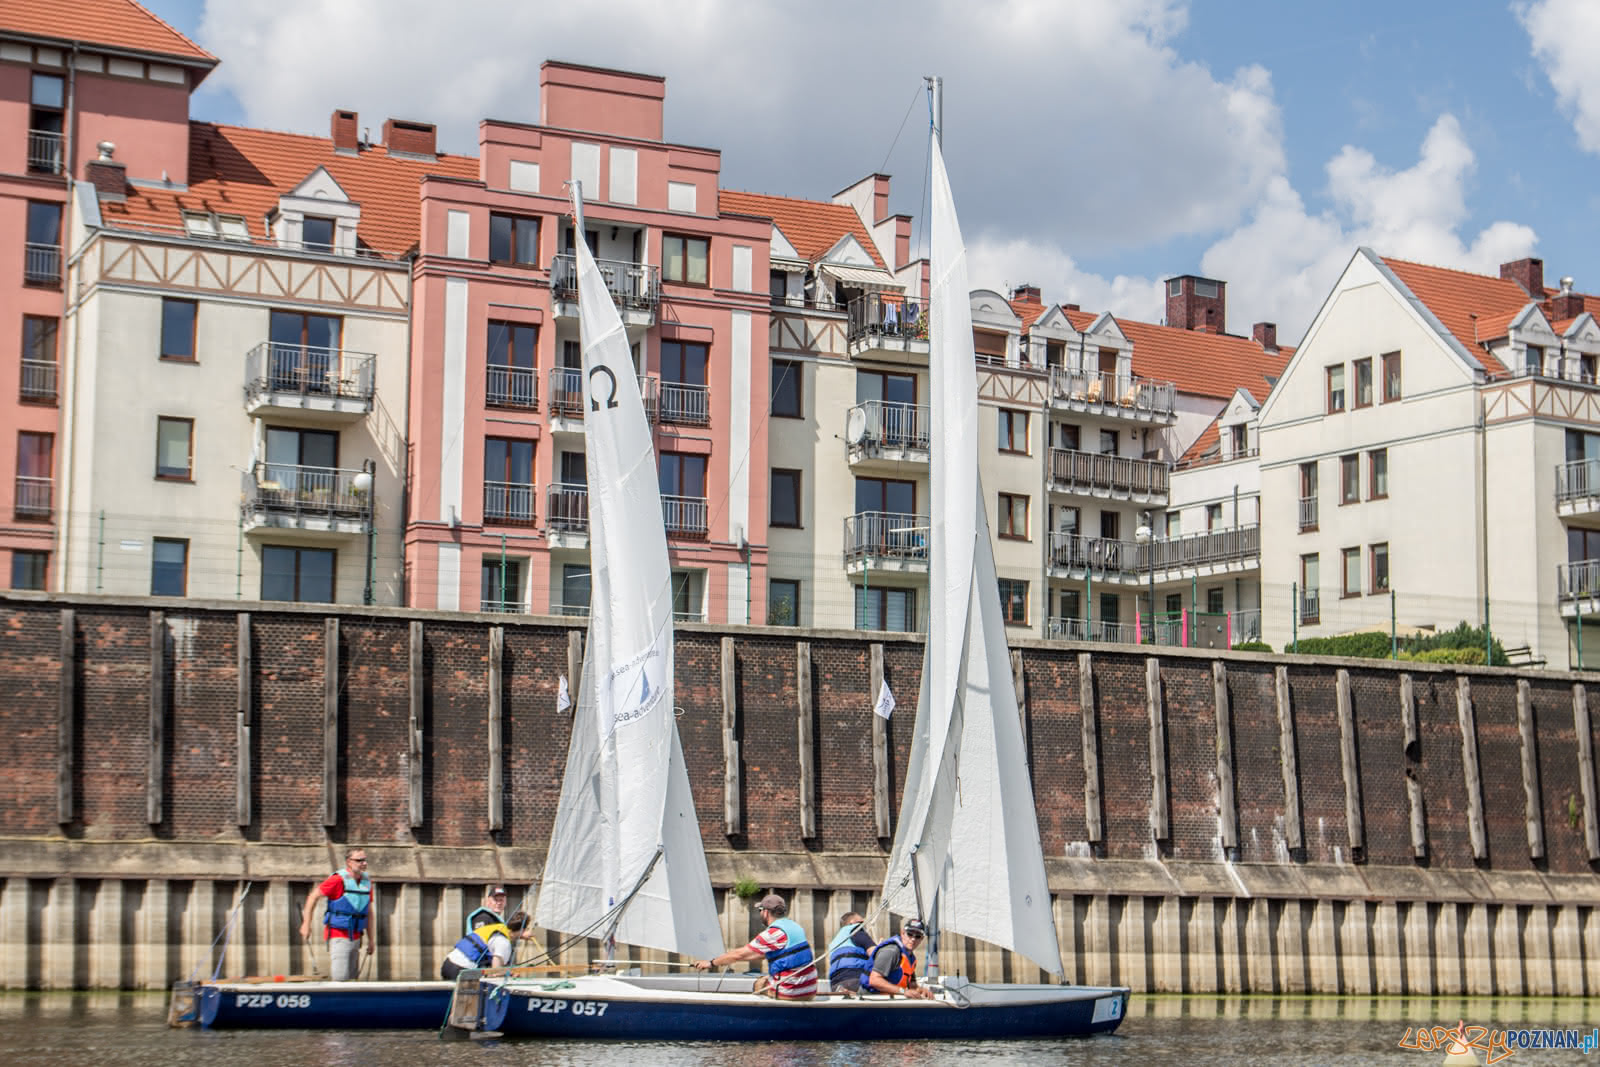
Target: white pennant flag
(563,697)
(885,704)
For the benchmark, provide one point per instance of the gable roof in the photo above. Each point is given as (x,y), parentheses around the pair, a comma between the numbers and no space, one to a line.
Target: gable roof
(1204,364)
(239,171)
(1029,311)
(1207,446)
(120,24)
(1467,304)
(814,227)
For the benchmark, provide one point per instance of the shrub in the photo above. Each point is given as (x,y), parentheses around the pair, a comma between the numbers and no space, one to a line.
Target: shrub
(1364,645)
(1464,645)
(1252,646)
(746,888)
(1445,655)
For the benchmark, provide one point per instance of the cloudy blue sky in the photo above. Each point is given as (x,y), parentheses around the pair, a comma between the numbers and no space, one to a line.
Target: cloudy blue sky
(1095,146)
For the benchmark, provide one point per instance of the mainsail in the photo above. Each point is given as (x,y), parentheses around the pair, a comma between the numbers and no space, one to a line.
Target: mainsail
(626,814)
(967,819)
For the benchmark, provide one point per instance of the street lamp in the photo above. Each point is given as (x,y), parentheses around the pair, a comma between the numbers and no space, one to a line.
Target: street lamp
(1146,537)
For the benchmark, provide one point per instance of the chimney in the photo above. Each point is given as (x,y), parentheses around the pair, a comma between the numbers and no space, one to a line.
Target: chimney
(1528,273)
(109,177)
(880,198)
(1026,294)
(345,137)
(1070,307)
(405,138)
(902,241)
(1266,335)
(1566,304)
(1199,304)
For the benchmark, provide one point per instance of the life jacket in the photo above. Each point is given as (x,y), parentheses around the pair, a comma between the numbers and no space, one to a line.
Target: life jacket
(475,946)
(348,914)
(905,968)
(845,957)
(482,916)
(794,955)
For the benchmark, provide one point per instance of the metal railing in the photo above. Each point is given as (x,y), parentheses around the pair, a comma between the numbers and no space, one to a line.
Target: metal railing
(41,264)
(566,393)
(124,226)
(632,285)
(1075,629)
(511,387)
(1109,393)
(38,379)
(273,367)
(688,616)
(879,315)
(567,507)
(317,492)
(34,497)
(885,535)
(1574,369)
(1578,580)
(1112,556)
(573,611)
(683,402)
(875,426)
(44,152)
(508,502)
(685,516)
(1308,513)
(1310,605)
(503,607)
(1577,479)
(1090,471)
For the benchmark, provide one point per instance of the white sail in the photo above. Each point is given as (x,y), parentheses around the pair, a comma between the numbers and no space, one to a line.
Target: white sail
(626,812)
(967,819)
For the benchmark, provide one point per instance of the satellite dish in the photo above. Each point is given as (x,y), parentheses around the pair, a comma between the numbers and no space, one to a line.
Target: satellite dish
(855,427)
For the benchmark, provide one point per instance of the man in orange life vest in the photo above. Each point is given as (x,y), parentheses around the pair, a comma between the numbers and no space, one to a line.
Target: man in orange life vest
(894,963)
(349,894)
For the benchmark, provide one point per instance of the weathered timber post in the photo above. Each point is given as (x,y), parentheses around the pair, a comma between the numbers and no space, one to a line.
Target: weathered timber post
(1533,809)
(1227,807)
(66,715)
(806,731)
(158,718)
(880,745)
(495,783)
(418,706)
(1413,765)
(1352,770)
(1469,767)
(330,721)
(1093,823)
(244,719)
(1160,827)
(732,813)
(1580,724)
(1288,761)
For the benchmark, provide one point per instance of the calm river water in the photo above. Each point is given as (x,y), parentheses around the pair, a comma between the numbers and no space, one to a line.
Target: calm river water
(130,1028)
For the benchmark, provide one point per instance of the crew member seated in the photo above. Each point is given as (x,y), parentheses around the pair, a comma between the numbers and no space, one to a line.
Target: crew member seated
(894,963)
(791,970)
(850,955)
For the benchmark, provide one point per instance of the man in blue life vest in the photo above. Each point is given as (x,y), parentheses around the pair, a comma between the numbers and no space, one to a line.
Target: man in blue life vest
(850,955)
(894,963)
(347,921)
(791,969)
(488,945)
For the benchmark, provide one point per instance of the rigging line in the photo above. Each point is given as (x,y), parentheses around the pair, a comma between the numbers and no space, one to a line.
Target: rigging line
(902,128)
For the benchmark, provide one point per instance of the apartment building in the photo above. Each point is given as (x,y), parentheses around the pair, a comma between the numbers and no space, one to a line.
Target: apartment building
(1431,455)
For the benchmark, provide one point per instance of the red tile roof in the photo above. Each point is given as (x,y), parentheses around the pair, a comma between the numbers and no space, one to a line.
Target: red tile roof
(1203,364)
(238,171)
(812,226)
(1209,441)
(1028,311)
(1468,304)
(110,23)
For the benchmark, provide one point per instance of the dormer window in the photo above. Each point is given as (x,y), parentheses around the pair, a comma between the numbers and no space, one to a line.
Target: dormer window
(1237,437)
(316,233)
(1533,363)
(199,224)
(233,228)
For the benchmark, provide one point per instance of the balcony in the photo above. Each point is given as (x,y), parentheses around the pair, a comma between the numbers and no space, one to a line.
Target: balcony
(1310,606)
(281,497)
(685,404)
(1123,396)
(1578,587)
(44,152)
(566,515)
(685,516)
(503,607)
(571,611)
(1578,489)
(39,380)
(508,503)
(511,387)
(35,497)
(41,264)
(1105,475)
(566,398)
(881,434)
(1074,629)
(635,288)
(887,327)
(1214,552)
(886,541)
(327,386)
(1308,513)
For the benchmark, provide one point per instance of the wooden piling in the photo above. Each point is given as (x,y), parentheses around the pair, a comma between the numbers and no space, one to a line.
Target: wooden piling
(1288,761)
(732,764)
(1160,827)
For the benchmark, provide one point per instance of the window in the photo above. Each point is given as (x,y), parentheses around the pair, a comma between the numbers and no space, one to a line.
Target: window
(511,350)
(1363,373)
(688,603)
(1391,377)
(878,608)
(199,224)
(1174,608)
(785,498)
(175,449)
(1379,555)
(787,400)
(989,347)
(42,247)
(39,357)
(169,567)
(783,602)
(1071,604)
(1335,389)
(1214,603)
(575,589)
(1349,479)
(1377,474)
(686,259)
(1174,523)
(316,233)
(1308,496)
(500,584)
(1533,360)
(778,287)
(1238,439)
(1205,289)
(1014,601)
(683,382)
(883,494)
(1013,431)
(1055,353)
(304,352)
(1110,524)
(46,95)
(35,474)
(28,569)
(1174,287)
(513,239)
(1013,516)
(1310,607)
(1066,521)
(289,449)
(1350,572)
(1110,609)
(1108,442)
(507,480)
(299,574)
(1067,436)
(682,474)
(177,329)
(1213,516)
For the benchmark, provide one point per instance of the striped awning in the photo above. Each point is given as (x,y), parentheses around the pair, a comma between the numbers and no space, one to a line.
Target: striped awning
(860,277)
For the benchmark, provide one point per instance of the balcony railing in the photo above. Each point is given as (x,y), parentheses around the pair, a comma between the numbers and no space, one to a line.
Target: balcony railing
(511,387)
(1578,580)
(567,508)
(1112,394)
(1308,513)
(632,285)
(880,315)
(566,393)
(688,616)
(44,152)
(1578,479)
(274,368)
(685,403)
(1100,472)
(41,264)
(38,379)
(34,497)
(317,493)
(573,611)
(1074,629)
(883,536)
(508,503)
(1105,555)
(877,426)
(503,607)
(1310,605)
(685,516)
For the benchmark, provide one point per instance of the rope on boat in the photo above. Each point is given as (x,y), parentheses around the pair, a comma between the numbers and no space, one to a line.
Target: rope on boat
(222,936)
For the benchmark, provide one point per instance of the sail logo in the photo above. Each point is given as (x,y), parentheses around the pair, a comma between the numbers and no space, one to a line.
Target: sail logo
(636,687)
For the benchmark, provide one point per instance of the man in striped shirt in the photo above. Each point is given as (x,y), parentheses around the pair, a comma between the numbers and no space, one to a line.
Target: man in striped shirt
(792,972)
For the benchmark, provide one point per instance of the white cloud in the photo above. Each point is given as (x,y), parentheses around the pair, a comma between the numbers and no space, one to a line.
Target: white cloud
(1002,264)
(1563,33)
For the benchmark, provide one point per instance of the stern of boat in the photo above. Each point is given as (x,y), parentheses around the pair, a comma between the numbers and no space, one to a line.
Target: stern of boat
(467,1003)
(183,1010)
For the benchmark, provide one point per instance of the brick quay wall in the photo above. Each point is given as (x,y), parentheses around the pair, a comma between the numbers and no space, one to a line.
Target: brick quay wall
(1211,821)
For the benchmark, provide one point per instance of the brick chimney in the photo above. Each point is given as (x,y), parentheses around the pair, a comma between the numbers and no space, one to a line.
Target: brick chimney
(1566,304)
(346,138)
(1266,335)
(902,241)
(1026,294)
(880,198)
(407,138)
(108,176)
(1199,304)
(1528,273)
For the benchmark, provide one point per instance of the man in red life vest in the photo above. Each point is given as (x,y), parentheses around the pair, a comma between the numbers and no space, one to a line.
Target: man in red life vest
(894,964)
(347,919)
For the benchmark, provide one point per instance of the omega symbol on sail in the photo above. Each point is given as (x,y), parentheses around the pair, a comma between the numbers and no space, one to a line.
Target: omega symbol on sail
(594,397)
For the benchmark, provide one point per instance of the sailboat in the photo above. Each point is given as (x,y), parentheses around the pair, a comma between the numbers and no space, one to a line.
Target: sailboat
(967,847)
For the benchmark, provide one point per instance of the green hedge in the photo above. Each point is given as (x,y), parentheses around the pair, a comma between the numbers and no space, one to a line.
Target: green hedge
(1445,655)
(1464,644)
(1252,646)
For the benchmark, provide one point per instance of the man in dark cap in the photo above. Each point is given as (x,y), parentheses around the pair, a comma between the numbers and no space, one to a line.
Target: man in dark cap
(791,971)
(894,963)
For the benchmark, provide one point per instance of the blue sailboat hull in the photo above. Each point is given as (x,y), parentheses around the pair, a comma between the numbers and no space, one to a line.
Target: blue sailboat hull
(319,1005)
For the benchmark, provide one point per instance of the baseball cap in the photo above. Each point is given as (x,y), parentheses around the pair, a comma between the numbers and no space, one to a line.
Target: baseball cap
(497,891)
(773,902)
(914,926)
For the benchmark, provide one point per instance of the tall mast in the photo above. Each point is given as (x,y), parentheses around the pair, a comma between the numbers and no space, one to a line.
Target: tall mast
(936,87)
